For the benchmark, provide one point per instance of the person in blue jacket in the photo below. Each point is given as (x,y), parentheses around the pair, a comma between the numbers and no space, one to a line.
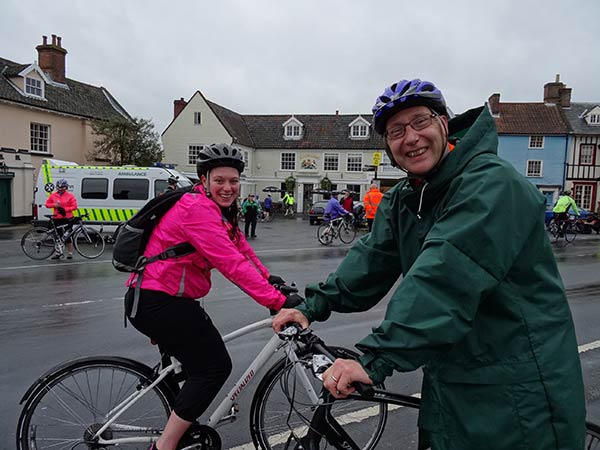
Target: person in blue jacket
(333,209)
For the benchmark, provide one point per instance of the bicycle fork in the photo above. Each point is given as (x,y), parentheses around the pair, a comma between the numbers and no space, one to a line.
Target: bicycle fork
(324,425)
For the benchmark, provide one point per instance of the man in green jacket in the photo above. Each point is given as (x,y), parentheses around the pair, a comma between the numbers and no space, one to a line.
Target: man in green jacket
(481,306)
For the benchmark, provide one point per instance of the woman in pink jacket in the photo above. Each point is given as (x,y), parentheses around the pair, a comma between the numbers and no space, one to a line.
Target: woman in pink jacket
(168,311)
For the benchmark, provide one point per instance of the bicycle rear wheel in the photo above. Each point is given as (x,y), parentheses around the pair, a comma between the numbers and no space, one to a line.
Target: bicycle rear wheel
(38,243)
(68,406)
(88,243)
(347,233)
(281,408)
(325,234)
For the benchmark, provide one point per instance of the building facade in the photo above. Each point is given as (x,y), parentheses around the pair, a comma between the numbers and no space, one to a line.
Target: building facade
(309,148)
(44,114)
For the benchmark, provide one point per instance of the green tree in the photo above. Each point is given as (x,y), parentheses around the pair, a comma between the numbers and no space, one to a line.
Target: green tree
(122,141)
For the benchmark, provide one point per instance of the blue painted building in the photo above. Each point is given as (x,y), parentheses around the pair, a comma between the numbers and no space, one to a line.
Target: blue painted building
(534,138)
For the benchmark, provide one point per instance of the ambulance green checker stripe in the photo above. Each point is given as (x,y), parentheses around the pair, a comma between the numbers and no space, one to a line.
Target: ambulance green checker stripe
(106,214)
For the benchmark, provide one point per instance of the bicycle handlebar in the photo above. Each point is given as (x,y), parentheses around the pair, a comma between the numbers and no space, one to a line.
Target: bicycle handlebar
(294,331)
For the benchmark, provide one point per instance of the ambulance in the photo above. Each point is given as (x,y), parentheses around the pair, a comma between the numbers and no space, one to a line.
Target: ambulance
(109,195)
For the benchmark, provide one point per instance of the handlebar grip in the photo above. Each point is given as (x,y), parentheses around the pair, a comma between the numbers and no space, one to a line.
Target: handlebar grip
(365,390)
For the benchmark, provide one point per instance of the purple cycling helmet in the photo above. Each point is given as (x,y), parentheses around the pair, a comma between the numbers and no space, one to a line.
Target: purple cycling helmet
(406,94)
(62,183)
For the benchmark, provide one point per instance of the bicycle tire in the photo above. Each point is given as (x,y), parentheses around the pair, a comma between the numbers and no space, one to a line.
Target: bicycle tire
(347,233)
(67,405)
(88,242)
(325,233)
(272,429)
(38,243)
(570,233)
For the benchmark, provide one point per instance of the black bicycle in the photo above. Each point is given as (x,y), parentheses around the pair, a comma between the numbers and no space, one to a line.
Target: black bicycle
(42,242)
(298,423)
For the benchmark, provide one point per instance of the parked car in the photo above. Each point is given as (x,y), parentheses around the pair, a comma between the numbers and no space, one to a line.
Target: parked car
(315,213)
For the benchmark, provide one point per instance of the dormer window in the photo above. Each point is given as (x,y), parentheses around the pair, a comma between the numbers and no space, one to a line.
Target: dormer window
(592,117)
(359,128)
(293,129)
(34,87)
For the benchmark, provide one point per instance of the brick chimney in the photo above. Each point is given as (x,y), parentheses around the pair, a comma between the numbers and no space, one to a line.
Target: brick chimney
(178,106)
(557,93)
(494,104)
(52,58)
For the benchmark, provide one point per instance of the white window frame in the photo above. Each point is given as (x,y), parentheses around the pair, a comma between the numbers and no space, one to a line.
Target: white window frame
(594,119)
(530,172)
(197,118)
(246,158)
(592,150)
(287,163)
(193,151)
(359,130)
(356,167)
(331,168)
(292,131)
(39,137)
(536,141)
(33,86)
(583,195)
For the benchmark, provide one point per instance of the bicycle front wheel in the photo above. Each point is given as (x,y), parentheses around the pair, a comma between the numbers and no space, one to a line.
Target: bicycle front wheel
(325,234)
(347,233)
(66,408)
(38,243)
(88,242)
(592,436)
(282,409)
(570,233)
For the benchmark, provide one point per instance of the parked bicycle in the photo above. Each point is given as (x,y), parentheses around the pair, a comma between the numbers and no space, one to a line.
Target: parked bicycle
(113,402)
(42,242)
(341,227)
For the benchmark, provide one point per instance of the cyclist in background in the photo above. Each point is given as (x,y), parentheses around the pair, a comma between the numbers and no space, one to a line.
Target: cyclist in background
(288,203)
(172,184)
(64,203)
(481,305)
(168,312)
(267,206)
(333,209)
(563,205)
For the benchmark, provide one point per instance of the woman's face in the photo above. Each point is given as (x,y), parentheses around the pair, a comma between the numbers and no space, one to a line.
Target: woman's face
(224,185)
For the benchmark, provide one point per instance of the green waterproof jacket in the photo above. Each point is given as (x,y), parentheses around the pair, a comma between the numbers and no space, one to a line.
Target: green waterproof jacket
(481,306)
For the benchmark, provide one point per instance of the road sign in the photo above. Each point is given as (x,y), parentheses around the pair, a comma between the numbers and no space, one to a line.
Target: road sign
(376,159)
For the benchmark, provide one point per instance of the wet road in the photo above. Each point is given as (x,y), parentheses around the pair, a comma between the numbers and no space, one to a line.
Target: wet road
(54,311)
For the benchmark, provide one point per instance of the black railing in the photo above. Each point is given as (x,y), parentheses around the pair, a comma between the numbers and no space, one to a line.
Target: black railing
(583,172)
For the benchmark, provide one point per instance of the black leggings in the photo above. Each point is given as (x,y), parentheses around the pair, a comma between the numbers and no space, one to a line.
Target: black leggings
(183,329)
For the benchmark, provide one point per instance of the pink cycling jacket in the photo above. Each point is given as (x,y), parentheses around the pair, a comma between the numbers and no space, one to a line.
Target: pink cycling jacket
(197,219)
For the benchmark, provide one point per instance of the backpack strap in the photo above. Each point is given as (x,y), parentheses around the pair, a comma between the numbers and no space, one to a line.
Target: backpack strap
(174,251)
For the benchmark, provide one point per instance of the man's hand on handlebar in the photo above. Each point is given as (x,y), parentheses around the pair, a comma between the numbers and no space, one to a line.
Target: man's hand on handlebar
(339,377)
(286,316)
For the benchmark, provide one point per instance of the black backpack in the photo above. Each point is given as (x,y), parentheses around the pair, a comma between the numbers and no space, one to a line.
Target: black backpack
(132,237)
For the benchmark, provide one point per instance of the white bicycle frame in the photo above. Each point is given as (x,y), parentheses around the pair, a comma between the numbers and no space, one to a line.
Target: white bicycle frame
(227,409)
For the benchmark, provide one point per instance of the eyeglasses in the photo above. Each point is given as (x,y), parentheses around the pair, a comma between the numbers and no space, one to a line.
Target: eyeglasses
(418,123)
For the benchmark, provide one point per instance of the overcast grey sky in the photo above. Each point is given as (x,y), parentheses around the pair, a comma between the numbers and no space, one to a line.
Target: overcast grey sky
(311,56)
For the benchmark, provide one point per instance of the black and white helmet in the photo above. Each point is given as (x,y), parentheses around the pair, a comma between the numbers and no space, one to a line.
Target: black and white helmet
(219,155)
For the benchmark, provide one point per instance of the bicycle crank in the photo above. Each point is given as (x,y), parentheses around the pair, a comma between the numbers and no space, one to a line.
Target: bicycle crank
(200,437)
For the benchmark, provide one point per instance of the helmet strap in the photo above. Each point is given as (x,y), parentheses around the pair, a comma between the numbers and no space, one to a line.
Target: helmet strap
(207,186)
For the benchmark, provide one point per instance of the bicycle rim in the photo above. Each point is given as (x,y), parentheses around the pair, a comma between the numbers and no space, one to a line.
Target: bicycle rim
(38,243)
(325,234)
(69,407)
(276,421)
(88,243)
(347,233)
